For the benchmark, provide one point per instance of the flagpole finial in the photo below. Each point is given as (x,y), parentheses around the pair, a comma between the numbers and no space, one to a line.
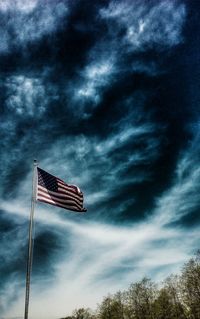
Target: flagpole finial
(35,162)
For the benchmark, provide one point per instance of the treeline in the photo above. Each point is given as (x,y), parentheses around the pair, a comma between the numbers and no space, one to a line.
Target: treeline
(177,298)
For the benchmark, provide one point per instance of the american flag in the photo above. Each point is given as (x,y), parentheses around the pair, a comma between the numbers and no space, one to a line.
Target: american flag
(54,191)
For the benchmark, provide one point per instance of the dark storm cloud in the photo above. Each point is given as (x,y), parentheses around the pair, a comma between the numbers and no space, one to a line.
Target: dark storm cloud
(33,97)
(12,254)
(13,251)
(101,93)
(131,27)
(183,197)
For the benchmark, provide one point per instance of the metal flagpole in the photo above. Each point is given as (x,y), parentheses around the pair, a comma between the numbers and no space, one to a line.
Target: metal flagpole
(30,241)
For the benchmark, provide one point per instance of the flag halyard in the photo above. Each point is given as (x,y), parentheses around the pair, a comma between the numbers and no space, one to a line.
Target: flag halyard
(54,191)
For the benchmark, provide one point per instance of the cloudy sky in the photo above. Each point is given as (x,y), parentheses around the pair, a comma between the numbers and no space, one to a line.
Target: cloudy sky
(105,94)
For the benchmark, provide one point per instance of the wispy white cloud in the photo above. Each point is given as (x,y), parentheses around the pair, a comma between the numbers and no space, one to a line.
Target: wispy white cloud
(95,77)
(26,99)
(84,160)
(88,88)
(26,95)
(96,250)
(146,24)
(132,27)
(28,21)
(26,6)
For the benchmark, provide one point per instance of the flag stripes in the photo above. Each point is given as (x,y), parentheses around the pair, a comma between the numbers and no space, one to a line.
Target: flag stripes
(57,198)
(68,190)
(61,194)
(54,191)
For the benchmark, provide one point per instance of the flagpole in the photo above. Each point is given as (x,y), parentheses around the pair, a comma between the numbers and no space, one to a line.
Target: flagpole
(30,240)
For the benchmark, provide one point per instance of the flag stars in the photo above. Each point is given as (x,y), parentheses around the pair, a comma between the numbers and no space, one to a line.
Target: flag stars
(47,180)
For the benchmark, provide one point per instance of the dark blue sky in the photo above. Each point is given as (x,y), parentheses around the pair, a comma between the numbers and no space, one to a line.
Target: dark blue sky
(105,94)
